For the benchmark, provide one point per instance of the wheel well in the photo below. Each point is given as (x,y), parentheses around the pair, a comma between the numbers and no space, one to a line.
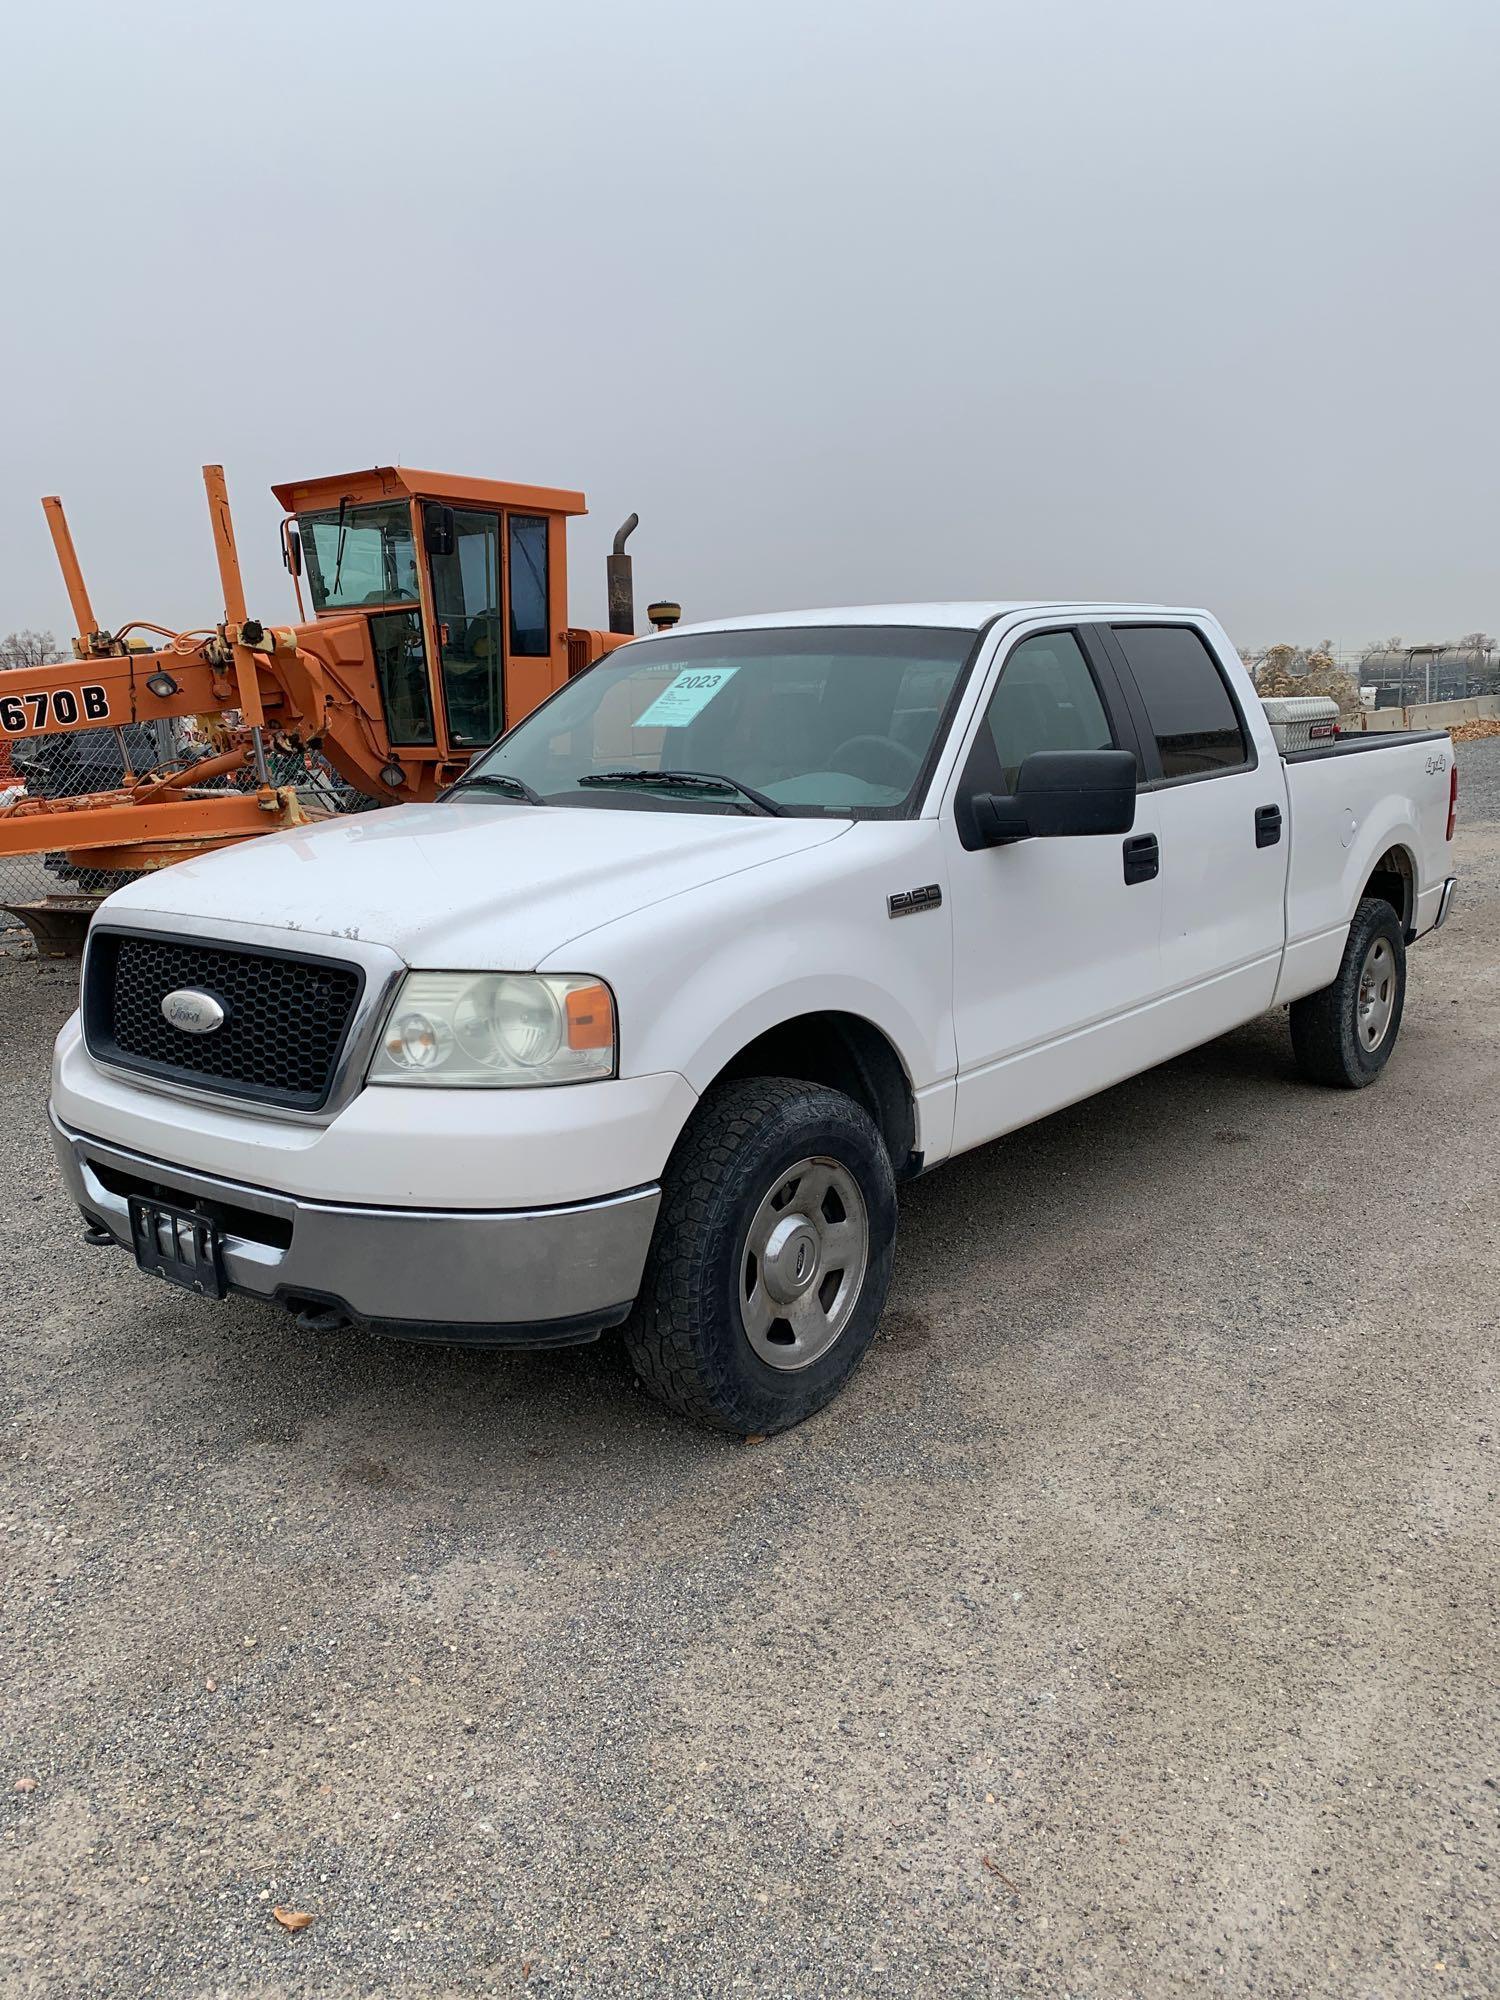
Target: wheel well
(849,1054)
(1393,880)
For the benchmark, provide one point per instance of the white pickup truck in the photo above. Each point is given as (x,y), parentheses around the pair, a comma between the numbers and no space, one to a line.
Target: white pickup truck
(644,1022)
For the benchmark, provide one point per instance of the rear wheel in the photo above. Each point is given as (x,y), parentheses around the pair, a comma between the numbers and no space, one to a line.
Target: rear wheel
(1344,1035)
(771,1258)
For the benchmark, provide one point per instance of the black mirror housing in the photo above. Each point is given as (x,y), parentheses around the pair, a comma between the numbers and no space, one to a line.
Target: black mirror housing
(438,531)
(1059,794)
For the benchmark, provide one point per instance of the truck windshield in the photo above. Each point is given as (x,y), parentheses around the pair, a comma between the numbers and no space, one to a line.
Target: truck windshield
(820,720)
(369,559)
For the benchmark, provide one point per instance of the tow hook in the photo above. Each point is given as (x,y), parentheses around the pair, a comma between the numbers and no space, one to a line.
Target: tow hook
(97,1235)
(322,1319)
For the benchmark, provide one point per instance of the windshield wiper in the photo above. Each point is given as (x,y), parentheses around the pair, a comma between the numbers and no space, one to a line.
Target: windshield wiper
(338,560)
(502,781)
(687,781)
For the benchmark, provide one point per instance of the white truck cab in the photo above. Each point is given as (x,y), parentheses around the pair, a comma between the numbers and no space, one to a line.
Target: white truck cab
(645,1020)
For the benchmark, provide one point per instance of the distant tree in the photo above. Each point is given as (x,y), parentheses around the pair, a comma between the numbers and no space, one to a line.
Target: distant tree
(1476,642)
(1279,670)
(29,649)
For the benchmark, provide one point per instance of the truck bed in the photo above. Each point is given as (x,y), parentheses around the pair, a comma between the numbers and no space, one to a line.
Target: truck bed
(1353,815)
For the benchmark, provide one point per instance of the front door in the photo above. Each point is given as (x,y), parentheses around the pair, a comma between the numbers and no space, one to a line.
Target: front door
(466,608)
(1056,955)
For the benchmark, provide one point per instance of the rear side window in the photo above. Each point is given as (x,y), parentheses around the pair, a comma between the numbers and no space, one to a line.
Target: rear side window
(1195,723)
(529,627)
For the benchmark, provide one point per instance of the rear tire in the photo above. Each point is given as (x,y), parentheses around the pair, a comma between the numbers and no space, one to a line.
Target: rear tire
(1344,1035)
(771,1258)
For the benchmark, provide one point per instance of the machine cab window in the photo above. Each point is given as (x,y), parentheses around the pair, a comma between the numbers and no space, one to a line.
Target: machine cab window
(358,556)
(466,608)
(401,669)
(530,632)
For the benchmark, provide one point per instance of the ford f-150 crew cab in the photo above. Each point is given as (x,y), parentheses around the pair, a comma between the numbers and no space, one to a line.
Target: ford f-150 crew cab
(645,1020)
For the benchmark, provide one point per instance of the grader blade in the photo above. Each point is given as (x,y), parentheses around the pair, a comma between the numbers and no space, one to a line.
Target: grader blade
(58,925)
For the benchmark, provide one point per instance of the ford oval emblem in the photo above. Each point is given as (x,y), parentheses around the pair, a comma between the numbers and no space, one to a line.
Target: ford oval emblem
(194,1012)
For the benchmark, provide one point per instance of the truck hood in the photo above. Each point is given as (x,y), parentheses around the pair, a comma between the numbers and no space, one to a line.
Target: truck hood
(479,884)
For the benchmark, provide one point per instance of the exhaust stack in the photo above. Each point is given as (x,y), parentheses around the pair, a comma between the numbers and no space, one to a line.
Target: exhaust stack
(621,581)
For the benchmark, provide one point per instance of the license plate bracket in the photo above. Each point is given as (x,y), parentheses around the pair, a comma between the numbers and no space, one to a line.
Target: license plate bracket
(179,1245)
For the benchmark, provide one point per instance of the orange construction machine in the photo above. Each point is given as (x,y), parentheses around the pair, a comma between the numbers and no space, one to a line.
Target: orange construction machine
(439,618)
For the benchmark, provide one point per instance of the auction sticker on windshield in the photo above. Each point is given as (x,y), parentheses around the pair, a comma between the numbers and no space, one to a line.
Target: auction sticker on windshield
(686,696)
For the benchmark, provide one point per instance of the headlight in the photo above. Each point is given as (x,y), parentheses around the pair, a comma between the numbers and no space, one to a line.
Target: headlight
(471,1030)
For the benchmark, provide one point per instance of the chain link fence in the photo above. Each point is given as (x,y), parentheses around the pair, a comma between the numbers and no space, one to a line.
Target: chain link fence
(70,764)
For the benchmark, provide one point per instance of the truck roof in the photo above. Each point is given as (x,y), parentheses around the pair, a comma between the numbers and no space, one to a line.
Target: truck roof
(962,614)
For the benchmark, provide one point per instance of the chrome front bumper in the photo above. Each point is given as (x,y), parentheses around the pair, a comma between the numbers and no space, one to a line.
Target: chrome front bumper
(537,1276)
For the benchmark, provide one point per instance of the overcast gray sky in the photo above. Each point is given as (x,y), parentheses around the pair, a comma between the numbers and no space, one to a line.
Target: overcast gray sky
(1183,299)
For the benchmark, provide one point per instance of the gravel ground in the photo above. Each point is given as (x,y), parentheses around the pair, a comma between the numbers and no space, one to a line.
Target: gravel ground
(1479,779)
(1127,1628)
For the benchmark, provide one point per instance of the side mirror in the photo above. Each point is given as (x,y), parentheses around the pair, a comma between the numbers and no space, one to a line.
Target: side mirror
(291,547)
(1059,793)
(437,528)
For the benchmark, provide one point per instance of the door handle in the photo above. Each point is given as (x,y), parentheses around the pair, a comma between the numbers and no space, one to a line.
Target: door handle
(1142,858)
(1267,825)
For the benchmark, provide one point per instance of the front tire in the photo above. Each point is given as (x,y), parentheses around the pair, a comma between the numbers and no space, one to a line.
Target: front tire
(771,1259)
(1344,1035)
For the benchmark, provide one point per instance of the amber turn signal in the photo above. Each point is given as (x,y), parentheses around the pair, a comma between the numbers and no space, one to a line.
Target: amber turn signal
(591,1018)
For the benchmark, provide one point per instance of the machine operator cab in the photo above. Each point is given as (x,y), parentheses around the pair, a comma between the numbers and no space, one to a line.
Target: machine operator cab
(461,585)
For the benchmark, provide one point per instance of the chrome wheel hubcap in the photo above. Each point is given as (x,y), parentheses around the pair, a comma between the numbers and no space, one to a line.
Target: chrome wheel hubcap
(804,1263)
(1377,994)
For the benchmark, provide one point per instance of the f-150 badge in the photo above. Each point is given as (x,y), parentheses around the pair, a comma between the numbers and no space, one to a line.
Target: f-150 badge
(910,901)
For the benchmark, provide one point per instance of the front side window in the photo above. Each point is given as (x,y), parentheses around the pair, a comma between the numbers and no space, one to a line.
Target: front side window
(368,559)
(822,720)
(1045,699)
(466,606)
(1195,723)
(530,625)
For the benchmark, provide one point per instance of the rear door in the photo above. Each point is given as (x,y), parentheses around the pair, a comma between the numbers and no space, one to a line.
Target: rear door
(1055,949)
(1222,814)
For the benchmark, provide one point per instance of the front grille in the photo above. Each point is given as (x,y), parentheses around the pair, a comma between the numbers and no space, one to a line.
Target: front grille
(286,1015)
(580,656)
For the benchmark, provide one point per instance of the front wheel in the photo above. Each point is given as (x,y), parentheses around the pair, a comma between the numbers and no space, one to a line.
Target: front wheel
(1344,1034)
(771,1258)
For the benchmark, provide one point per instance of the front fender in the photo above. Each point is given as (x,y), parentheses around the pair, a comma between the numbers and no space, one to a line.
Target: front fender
(698,977)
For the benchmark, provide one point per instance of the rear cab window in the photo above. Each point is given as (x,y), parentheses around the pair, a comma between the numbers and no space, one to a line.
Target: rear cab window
(1189,710)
